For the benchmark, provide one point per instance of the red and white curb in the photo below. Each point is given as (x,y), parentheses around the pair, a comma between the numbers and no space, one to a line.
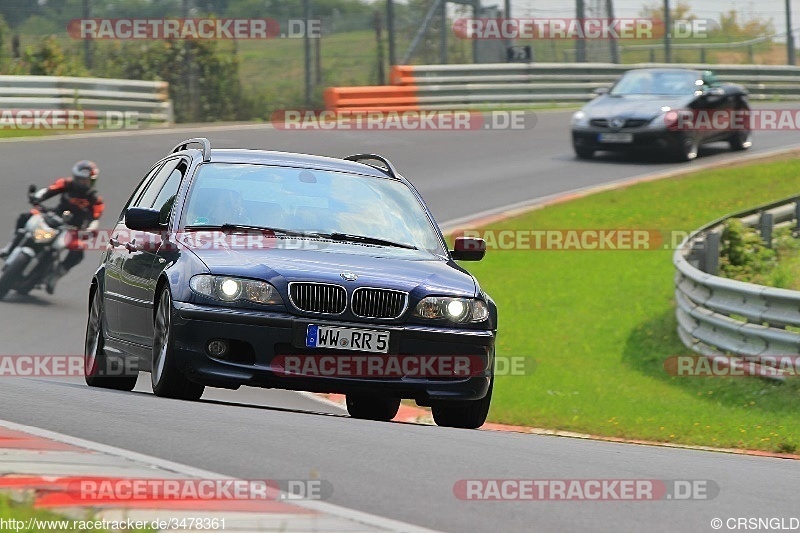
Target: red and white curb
(37,465)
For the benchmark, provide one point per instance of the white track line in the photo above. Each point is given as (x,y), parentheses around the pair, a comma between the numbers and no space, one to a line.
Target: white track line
(321,507)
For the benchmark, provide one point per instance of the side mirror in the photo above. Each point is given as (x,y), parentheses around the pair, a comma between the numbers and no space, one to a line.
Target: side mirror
(142,219)
(468,249)
(600,91)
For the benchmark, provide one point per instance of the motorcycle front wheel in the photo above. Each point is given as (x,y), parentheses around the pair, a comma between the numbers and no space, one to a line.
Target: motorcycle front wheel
(11,273)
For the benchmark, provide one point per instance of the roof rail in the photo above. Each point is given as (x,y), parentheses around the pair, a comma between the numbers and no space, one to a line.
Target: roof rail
(359,158)
(197,140)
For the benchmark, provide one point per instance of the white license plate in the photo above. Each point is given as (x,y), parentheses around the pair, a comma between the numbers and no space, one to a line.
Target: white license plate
(362,340)
(615,137)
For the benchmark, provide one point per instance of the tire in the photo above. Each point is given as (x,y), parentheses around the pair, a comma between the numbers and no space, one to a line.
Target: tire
(372,407)
(741,141)
(582,152)
(95,360)
(686,148)
(11,273)
(468,414)
(167,380)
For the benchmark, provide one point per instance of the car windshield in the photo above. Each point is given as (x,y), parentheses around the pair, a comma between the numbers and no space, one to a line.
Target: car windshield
(648,82)
(351,207)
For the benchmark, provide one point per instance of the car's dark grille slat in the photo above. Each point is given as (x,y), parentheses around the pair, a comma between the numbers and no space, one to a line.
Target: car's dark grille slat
(318,298)
(635,122)
(378,303)
(629,123)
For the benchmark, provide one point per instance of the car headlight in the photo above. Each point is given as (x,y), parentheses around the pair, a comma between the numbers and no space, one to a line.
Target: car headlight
(579,119)
(673,120)
(460,310)
(228,289)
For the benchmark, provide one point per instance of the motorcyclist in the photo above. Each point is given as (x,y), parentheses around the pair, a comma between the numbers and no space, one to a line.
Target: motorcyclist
(79,197)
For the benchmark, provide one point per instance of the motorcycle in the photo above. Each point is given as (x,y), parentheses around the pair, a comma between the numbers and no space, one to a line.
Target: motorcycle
(48,236)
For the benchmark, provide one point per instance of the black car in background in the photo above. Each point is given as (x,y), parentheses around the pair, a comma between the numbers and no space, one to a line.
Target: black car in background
(671,111)
(225,266)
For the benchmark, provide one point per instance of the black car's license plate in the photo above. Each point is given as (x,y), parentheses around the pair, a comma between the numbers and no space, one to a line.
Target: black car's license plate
(615,137)
(337,338)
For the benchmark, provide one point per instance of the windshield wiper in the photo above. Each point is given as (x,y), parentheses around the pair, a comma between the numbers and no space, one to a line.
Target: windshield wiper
(335,236)
(246,227)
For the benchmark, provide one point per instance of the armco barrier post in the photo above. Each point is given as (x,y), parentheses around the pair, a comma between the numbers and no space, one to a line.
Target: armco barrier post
(766,223)
(711,255)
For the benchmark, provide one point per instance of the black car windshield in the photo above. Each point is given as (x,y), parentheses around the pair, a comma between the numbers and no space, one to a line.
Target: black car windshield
(649,82)
(364,209)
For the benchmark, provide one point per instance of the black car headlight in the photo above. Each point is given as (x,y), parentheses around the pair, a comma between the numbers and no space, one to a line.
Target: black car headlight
(229,289)
(673,120)
(461,310)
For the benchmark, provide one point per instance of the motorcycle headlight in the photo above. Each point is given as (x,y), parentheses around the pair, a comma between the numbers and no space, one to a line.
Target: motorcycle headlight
(579,119)
(43,234)
(461,310)
(229,289)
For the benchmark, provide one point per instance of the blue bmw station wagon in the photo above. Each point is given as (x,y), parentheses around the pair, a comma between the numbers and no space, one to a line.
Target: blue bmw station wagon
(291,271)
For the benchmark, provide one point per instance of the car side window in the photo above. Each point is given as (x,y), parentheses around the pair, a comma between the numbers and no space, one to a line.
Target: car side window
(150,194)
(166,197)
(139,190)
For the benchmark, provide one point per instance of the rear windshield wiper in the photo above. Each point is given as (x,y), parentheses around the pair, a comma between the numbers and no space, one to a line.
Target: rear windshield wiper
(366,240)
(246,227)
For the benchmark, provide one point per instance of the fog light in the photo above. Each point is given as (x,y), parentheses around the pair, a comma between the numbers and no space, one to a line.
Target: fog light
(217,348)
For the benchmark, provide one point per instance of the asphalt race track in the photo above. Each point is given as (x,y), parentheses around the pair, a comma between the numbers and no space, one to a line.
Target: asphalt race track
(400,471)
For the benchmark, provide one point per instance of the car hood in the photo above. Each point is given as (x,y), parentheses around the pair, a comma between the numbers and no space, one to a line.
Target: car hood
(423,273)
(641,107)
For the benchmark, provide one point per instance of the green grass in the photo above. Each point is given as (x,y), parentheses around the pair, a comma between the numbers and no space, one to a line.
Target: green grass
(601,323)
(786,274)
(5,134)
(11,509)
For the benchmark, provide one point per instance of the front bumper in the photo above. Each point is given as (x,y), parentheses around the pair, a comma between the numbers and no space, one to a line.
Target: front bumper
(643,139)
(259,337)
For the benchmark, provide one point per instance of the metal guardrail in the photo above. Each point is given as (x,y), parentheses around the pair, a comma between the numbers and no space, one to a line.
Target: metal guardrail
(149,99)
(509,84)
(700,47)
(719,317)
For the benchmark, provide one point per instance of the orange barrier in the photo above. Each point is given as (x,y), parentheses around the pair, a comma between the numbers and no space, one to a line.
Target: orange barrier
(402,75)
(371,98)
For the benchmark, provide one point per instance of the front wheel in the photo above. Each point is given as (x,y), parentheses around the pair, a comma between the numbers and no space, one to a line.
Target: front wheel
(12,272)
(468,414)
(741,140)
(686,148)
(372,408)
(583,152)
(97,368)
(168,381)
